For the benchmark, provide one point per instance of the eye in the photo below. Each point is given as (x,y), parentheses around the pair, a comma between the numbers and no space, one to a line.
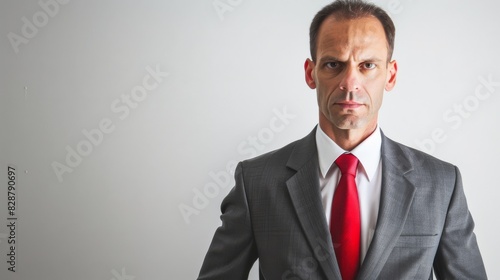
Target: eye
(369,65)
(332,65)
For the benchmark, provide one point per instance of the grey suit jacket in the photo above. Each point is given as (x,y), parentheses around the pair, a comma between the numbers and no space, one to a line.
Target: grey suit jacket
(274,214)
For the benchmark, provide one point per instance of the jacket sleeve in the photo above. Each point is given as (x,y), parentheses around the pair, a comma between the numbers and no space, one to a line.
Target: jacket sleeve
(232,251)
(458,255)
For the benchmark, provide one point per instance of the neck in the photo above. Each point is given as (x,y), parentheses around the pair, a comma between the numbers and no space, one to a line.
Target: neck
(347,139)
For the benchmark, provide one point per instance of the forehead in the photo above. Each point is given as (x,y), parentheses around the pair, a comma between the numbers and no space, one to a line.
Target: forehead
(340,35)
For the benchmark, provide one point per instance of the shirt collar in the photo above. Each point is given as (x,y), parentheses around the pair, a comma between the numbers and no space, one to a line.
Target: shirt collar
(368,152)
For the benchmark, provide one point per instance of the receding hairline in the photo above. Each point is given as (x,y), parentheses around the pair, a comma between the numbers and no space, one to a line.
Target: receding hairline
(352,9)
(340,17)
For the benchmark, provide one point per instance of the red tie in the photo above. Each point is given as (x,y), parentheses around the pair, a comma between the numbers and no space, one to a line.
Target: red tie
(345,222)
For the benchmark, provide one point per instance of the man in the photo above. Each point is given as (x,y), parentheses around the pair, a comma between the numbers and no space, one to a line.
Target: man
(346,202)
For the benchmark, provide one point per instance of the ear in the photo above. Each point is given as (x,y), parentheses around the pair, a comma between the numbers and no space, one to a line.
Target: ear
(309,73)
(391,75)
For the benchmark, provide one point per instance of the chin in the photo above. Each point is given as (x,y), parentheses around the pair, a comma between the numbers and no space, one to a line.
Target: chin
(348,122)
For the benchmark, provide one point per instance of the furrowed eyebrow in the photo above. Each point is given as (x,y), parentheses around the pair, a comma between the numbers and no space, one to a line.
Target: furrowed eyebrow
(329,58)
(372,59)
(333,58)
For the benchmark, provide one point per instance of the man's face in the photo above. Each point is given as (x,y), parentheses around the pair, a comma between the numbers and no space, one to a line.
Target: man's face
(350,73)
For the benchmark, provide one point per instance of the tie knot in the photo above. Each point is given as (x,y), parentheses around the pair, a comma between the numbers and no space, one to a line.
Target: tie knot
(347,163)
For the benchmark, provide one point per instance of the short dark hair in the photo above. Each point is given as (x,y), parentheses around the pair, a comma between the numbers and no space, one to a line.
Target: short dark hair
(352,9)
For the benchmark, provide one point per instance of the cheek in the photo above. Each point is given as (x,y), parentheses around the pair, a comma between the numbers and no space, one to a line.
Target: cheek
(375,92)
(327,84)
(377,97)
(322,95)
(376,77)
(325,93)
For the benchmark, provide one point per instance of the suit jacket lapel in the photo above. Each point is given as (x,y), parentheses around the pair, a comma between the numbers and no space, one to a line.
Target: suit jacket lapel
(306,197)
(395,200)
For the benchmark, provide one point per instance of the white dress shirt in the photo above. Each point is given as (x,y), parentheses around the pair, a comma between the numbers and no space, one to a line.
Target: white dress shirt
(368,179)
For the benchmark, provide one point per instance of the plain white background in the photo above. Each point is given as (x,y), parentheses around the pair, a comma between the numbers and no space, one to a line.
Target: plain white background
(234,89)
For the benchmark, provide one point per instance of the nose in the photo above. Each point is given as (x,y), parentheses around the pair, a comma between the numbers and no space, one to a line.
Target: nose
(350,81)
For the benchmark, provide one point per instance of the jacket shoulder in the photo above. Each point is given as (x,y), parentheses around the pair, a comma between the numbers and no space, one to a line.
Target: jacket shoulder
(419,160)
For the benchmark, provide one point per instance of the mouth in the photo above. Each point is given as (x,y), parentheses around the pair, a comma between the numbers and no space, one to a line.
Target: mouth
(348,104)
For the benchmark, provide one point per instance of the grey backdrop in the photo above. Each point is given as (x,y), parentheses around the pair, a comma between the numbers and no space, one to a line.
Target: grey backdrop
(124,120)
